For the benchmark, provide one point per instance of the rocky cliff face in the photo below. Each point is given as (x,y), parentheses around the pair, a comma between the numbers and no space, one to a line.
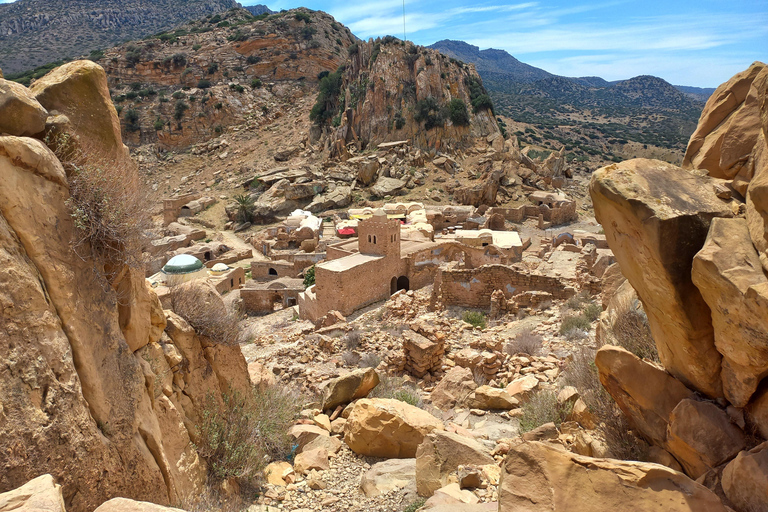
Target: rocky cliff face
(390,90)
(36,32)
(692,244)
(95,389)
(186,86)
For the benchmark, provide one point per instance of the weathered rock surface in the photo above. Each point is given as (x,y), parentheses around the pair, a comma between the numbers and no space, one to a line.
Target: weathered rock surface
(745,479)
(728,127)
(383,427)
(126,505)
(39,494)
(757,176)
(387,186)
(454,388)
(20,112)
(701,436)
(541,477)
(656,218)
(387,475)
(488,398)
(728,273)
(440,454)
(344,389)
(645,393)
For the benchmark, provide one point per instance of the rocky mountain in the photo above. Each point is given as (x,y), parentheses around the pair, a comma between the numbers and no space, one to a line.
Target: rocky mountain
(186,86)
(389,90)
(36,32)
(258,10)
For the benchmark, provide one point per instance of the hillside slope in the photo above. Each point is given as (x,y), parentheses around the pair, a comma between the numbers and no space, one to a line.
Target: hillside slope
(36,32)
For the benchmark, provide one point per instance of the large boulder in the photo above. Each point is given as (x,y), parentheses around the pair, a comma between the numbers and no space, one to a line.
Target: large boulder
(79,91)
(645,393)
(441,454)
(388,475)
(344,389)
(40,494)
(728,127)
(656,217)
(126,505)
(728,273)
(20,112)
(757,175)
(383,427)
(540,477)
(454,388)
(745,479)
(387,186)
(701,436)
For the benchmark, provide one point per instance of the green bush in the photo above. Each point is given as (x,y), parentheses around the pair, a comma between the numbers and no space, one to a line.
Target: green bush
(256,83)
(353,49)
(131,120)
(159,124)
(574,323)
(203,84)
(179,109)
(474,318)
(592,311)
(457,112)
(309,276)
(429,112)
(325,107)
(398,389)
(241,433)
(416,505)
(543,408)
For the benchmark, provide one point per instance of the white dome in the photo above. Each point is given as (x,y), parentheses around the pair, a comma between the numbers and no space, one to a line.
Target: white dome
(220,267)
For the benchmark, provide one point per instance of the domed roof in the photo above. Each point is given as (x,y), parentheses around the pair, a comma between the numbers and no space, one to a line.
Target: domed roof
(220,267)
(182,264)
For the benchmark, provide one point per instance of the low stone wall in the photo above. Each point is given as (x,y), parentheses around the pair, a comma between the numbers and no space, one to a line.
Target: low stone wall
(473,288)
(556,215)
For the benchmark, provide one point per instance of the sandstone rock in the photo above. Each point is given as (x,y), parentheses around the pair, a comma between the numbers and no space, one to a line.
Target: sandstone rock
(454,388)
(275,472)
(344,389)
(521,388)
(387,186)
(646,394)
(440,454)
(338,198)
(745,479)
(261,377)
(329,443)
(39,494)
(382,427)
(728,273)
(316,458)
(461,507)
(79,91)
(487,398)
(285,154)
(451,494)
(126,505)
(484,193)
(367,171)
(305,434)
(700,436)
(542,477)
(656,217)
(542,433)
(728,127)
(322,421)
(20,113)
(388,475)
(663,457)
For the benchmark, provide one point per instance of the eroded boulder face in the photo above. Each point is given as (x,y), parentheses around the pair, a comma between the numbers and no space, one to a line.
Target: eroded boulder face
(656,217)
(728,274)
(728,127)
(540,477)
(39,494)
(20,113)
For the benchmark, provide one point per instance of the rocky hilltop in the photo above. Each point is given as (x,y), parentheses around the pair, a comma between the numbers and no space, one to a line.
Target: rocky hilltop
(390,90)
(36,32)
(188,85)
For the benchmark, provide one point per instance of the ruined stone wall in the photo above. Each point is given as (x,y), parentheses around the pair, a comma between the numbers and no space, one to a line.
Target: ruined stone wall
(260,269)
(172,206)
(556,215)
(473,287)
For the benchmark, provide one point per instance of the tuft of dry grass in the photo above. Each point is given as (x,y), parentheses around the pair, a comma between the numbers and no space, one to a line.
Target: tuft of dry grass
(526,342)
(630,329)
(396,387)
(543,408)
(202,308)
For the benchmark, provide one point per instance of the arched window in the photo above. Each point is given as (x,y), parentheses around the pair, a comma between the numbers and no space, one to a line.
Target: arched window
(369,238)
(374,239)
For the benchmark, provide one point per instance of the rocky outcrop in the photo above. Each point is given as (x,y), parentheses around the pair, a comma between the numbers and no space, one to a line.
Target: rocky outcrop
(384,427)
(394,91)
(441,454)
(344,389)
(646,394)
(388,475)
(654,242)
(728,274)
(728,127)
(745,479)
(126,505)
(111,409)
(539,477)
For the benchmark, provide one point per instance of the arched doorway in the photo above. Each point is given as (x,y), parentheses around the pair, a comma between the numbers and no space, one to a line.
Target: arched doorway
(272,272)
(393,286)
(207,255)
(402,283)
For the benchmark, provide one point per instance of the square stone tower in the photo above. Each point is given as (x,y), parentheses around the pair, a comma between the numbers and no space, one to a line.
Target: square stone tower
(379,235)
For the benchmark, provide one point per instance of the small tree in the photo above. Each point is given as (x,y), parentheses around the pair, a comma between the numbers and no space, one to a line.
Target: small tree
(457,111)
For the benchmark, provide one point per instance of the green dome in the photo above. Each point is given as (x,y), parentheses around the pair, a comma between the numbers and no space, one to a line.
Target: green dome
(182,264)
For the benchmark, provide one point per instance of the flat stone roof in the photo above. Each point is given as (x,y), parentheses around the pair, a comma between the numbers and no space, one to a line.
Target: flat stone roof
(348,262)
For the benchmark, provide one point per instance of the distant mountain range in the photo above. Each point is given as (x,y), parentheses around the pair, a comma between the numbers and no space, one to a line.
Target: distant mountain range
(500,65)
(36,32)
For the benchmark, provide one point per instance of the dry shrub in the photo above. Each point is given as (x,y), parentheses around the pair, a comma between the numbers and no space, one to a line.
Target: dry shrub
(478,375)
(240,434)
(369,360)
(526,342)
(543,408)
(575,326)
(630,329)
(352,339)
(474,318)
(397,388)
(350,358)
(108,203)
(204,310)
(582,374)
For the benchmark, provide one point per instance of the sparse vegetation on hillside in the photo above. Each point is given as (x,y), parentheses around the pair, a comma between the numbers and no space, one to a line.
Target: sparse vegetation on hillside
(325,106)
(543,408)
(211,319)
(474,318)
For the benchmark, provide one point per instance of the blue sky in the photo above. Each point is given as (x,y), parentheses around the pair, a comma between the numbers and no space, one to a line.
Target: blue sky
(701,43)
